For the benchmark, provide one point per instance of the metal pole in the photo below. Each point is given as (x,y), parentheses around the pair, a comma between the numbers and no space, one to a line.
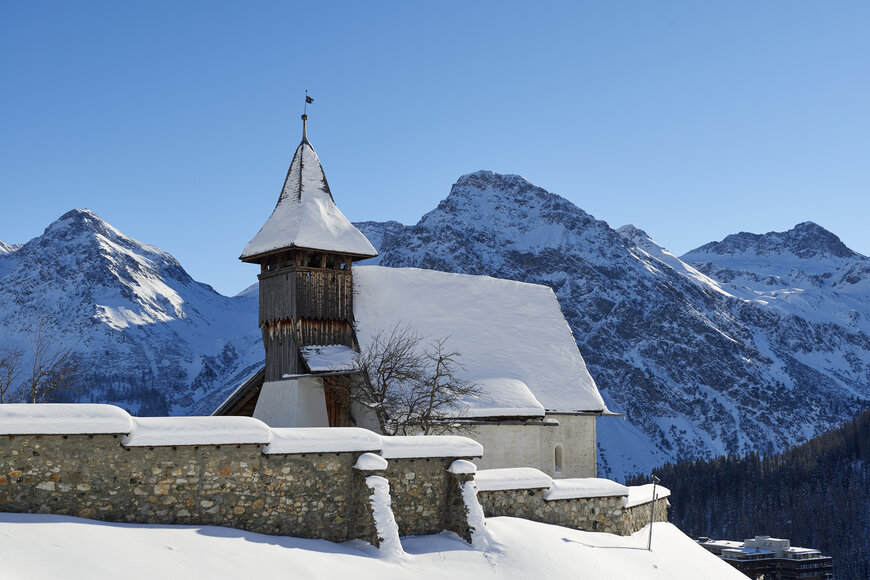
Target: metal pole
(652,512)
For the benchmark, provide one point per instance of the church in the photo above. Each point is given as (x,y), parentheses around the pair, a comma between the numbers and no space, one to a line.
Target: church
(535,403)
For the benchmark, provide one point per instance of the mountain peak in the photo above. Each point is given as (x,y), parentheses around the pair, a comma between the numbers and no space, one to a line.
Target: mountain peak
(640,238)
(79,213)
(632,232)
(78,221)
(805,240)
(487,176)
(495,202)
(8,248)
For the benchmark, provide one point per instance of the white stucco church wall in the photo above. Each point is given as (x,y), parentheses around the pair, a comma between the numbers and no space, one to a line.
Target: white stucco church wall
(297,402)
(566,449)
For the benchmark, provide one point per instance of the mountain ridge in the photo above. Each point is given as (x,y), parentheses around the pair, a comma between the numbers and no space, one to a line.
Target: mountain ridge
(781,363)
(142,326)
(640,316)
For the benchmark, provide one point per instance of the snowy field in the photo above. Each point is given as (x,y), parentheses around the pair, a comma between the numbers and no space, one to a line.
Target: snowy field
(35,547)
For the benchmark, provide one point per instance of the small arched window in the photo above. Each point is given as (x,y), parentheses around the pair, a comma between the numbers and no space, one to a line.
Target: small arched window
(558,458)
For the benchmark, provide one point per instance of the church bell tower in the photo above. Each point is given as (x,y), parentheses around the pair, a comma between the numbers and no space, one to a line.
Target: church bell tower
(305,251)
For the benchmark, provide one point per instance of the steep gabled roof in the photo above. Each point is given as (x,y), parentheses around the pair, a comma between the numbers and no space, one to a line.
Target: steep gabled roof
(513,339)
(306,215)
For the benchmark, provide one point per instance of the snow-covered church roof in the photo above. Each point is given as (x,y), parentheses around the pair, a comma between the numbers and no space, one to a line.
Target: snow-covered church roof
(513,339)
(306,215)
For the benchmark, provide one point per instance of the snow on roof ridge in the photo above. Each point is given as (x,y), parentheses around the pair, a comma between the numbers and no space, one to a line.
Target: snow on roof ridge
(583,487)
(509,478)
(328,357)
(419,446)
(81,418)
(172,431)
(639,494)
(502,397)
(63,419)
(322,440)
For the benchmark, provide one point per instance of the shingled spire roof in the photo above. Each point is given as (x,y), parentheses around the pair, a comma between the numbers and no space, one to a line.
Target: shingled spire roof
(306,215)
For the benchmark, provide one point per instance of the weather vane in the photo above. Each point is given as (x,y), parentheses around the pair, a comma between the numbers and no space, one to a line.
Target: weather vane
(308,100)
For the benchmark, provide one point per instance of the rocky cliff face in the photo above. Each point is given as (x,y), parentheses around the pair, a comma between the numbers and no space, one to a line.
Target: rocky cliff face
(698,367)
(150,337)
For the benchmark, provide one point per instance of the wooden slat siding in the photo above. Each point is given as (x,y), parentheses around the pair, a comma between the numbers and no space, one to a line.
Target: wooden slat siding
(336,408)
(277,296)
(290,293)
(303,305)
(282,355)
(319,332)
(324,294)
(247,409)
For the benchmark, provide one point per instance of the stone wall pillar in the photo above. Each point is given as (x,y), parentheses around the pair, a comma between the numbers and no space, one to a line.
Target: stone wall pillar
(456,511)
(372,518)
(463,514)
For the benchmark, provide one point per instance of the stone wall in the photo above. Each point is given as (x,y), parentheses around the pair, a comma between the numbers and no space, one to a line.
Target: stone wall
(594,514)
(95,461)
(636,517)
(309,495)
(426,497)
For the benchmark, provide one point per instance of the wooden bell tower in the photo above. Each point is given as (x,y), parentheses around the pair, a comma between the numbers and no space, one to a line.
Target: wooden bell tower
(305,251)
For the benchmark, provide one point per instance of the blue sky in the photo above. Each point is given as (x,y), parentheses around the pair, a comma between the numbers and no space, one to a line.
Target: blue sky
(175,121)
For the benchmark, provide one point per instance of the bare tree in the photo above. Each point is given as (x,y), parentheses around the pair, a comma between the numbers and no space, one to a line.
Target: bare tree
(408,386)
(53,370)
(10,370)
(442,391)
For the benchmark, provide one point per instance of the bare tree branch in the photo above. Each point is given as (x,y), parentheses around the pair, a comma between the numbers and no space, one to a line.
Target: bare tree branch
(407,386)
(10,370)
(52,370)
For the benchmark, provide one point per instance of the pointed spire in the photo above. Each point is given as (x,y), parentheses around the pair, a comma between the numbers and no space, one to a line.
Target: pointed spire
(306,215)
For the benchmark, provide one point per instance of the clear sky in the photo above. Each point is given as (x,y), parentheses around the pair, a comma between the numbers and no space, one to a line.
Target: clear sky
(176,121)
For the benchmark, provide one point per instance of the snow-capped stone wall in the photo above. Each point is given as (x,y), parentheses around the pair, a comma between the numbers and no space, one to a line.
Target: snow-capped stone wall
(95,461)
(592,504)
(427,497)
(308,483)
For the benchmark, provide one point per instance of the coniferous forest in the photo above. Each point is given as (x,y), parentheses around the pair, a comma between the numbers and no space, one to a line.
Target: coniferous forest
(816,494)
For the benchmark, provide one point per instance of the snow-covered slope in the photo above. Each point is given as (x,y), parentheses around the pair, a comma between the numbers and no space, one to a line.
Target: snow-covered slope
(151,338)
(697,369)
(37,547)
(805,271)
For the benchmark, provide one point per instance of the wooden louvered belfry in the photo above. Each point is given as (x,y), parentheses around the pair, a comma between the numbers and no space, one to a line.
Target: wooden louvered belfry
(305,251)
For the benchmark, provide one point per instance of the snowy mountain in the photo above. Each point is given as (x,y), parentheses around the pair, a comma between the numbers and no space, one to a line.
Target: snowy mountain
(806,271)
(757,342)
(151,338)
(699,366)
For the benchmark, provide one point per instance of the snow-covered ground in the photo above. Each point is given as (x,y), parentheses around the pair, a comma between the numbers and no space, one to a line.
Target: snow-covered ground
(35,547)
